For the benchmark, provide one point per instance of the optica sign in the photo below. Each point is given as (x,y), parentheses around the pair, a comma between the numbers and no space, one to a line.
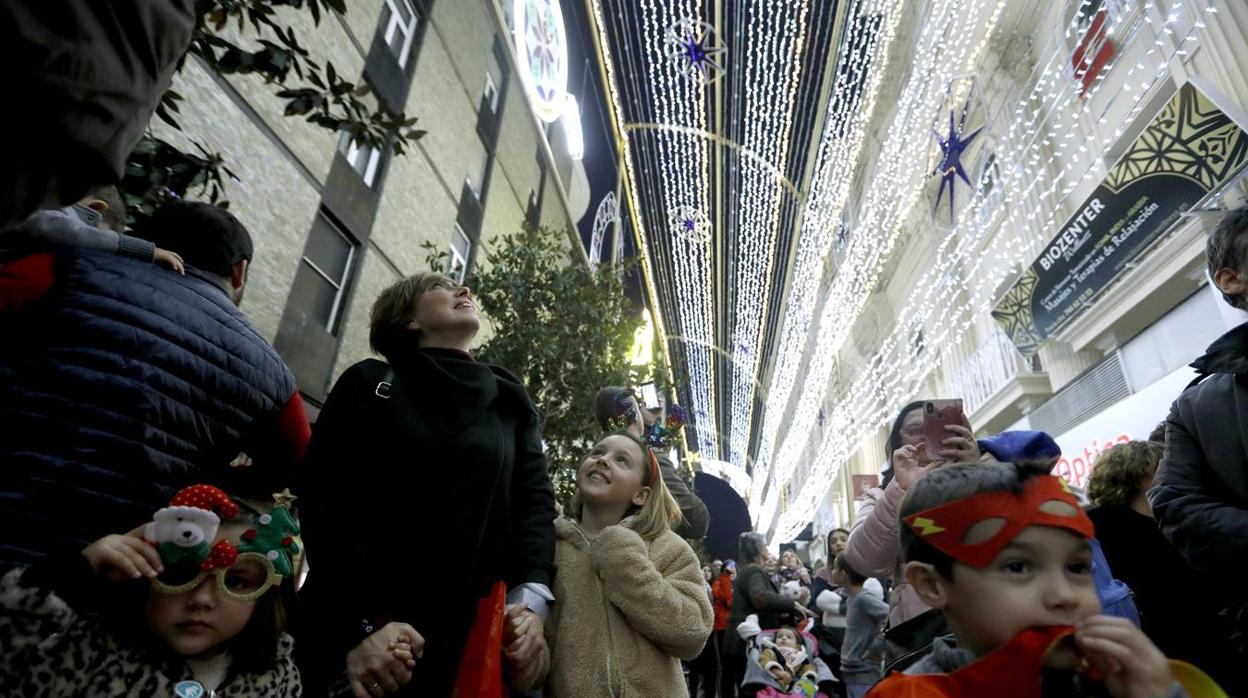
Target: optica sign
(1132,418)
(1076,467)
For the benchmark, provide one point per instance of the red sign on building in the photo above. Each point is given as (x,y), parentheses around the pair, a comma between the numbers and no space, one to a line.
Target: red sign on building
(1094,50)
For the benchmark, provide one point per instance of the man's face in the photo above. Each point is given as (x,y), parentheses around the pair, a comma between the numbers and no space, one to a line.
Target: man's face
(1043,577)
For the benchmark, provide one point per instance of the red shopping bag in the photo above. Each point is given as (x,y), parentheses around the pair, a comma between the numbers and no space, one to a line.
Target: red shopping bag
(481,666)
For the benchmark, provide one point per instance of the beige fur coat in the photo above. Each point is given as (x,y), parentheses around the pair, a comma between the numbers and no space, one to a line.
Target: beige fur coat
(627,612)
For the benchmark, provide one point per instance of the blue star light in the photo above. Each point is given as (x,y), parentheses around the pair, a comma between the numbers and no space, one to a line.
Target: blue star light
(697,52)
(693,45)
(951,164)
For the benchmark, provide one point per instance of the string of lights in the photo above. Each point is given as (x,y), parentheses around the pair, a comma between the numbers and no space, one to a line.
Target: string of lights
(996,238)
(864,52)
(775,32)
(945,44)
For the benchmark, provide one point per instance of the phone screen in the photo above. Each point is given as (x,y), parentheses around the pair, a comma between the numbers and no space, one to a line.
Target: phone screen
(937,414)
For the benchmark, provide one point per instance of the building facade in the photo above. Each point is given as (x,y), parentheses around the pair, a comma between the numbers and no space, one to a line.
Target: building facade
(333,222)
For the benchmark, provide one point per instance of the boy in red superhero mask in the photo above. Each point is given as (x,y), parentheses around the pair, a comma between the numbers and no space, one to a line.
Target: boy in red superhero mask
(1001,549)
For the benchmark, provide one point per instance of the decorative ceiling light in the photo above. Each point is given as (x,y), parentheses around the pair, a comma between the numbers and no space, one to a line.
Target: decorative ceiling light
(542,54)
(988,247)
(691,224)
(570,119)
(951,148)
(776,33)
(694,46)
(892,189)
(863,60)
(607,216)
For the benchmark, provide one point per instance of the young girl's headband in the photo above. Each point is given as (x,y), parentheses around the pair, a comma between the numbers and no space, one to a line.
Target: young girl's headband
(944,527)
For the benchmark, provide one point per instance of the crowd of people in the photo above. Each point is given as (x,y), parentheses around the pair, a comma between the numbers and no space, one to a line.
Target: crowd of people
(173,526)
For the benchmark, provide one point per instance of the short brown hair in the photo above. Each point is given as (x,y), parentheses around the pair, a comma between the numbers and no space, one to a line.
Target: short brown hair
(1225,249)
(394,309)
(1117,474)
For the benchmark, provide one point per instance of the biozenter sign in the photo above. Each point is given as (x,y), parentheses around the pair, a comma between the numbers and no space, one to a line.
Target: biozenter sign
(1187,151)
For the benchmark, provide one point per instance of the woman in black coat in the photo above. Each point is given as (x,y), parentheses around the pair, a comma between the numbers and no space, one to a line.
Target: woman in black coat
(1178,604)
(753,593)
(430,454)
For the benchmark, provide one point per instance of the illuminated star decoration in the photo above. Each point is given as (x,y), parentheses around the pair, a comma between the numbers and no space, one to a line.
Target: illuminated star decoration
(694,46)
(691,224)
(951,163)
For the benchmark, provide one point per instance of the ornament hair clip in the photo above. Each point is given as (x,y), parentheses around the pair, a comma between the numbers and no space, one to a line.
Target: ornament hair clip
(663,434)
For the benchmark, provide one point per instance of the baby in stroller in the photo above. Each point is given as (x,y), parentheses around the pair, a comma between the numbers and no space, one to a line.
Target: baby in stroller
(782,662)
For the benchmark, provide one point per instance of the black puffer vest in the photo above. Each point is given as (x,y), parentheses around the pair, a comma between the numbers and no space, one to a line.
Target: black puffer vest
(123,384)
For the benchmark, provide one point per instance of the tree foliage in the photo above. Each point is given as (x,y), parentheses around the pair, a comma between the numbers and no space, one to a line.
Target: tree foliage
(157,170)
(565,330)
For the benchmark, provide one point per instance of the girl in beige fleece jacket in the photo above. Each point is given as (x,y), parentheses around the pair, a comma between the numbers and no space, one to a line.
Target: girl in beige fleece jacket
(630,599)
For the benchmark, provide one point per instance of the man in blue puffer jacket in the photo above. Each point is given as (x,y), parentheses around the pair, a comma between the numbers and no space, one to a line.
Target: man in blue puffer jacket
(122,382)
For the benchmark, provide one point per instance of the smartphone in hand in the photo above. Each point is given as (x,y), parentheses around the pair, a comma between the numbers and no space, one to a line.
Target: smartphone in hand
(936,415)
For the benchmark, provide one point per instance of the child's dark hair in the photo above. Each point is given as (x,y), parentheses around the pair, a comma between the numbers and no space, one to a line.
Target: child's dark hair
(953,482)
(789,628)
(750,547)
(842,565)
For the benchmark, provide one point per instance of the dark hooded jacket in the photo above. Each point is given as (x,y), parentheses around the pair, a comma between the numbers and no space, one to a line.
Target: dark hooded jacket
(1200,494)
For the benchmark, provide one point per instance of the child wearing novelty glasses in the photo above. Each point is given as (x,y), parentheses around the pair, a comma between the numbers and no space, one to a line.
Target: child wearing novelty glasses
(188,606)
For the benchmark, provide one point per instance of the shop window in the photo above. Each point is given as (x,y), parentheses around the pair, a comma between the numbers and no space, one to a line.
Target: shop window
(398,26)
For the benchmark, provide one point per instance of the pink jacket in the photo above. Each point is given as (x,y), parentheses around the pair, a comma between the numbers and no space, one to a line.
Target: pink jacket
(875,549)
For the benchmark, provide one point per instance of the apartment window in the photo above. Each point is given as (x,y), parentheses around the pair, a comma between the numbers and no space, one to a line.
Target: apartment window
(460,247)
(363,158)
(398,24)
(321,283)
(493,78)
(491,93)
(478,159)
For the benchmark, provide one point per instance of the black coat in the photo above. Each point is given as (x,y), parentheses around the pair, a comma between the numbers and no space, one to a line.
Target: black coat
(1200,494)
(754,592)
(414,505)
(1178,604)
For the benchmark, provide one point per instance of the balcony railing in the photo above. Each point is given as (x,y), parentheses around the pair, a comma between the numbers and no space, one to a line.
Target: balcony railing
(993,365)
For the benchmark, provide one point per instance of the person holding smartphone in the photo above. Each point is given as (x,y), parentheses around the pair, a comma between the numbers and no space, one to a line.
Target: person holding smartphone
(874,546)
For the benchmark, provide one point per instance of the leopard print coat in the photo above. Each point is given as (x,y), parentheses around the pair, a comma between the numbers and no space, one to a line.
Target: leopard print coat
(49,651)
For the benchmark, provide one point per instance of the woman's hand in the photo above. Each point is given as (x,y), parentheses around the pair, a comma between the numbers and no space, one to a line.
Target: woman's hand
(910,464)
(376,666)
(960,446)
(805,612)
(120,557)
(524,647)
(1132,665)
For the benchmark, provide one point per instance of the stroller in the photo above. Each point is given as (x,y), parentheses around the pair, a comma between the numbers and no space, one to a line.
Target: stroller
(759,683)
